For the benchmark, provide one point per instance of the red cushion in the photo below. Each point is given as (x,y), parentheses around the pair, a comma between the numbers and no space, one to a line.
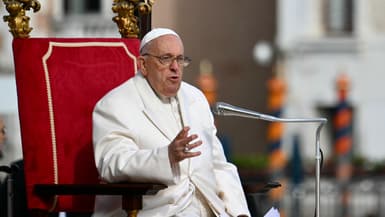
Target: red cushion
(58,83)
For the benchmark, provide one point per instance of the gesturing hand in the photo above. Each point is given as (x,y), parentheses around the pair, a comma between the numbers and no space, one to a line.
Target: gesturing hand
(179,148)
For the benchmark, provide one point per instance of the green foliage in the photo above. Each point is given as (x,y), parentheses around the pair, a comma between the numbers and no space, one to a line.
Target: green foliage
(369,166)
(252,161)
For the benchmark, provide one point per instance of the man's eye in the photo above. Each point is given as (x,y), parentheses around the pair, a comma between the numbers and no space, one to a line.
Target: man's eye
(180,58)
(165,57)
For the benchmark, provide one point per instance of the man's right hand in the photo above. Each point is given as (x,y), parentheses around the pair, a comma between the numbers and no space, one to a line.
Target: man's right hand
(179,148)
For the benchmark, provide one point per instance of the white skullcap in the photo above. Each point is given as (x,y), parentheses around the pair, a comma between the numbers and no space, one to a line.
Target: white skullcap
(156,33)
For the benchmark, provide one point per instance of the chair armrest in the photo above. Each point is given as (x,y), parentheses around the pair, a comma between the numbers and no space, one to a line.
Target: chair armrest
(131,192)
(134,189)
(5,169)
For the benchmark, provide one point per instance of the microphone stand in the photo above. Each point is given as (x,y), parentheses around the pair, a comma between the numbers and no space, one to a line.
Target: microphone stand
(225,109)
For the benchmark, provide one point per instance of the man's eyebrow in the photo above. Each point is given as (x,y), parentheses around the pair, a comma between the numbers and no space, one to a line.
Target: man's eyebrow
(166,54)
(170,54)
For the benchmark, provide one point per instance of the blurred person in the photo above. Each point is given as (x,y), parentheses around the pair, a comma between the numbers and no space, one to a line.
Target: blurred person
(2,146)
(3,174)
(157,128)
(10,152)
(10,160)
(2,136)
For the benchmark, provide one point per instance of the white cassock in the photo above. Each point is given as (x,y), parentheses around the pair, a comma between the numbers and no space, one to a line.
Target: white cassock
(132,128)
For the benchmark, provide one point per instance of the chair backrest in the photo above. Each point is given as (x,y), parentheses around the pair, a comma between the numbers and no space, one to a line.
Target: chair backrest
(58,83)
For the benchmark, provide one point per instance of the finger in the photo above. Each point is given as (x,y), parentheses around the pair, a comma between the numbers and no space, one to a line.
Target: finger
(187,140)
(183,133)
(186,148)
(191,154)
(181,155)
(194,145)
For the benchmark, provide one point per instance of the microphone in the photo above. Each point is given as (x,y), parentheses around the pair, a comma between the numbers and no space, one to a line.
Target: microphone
(225,109)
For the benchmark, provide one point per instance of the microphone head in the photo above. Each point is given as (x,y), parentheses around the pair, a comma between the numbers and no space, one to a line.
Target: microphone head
(216,109)
(220,108)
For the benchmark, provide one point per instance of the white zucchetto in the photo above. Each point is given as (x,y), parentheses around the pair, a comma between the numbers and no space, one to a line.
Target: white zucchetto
(156,33)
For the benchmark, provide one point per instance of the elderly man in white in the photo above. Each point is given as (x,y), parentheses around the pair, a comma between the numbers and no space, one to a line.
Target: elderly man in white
(157,128)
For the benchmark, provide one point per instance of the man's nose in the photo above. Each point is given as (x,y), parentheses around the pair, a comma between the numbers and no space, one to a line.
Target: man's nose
(174,64)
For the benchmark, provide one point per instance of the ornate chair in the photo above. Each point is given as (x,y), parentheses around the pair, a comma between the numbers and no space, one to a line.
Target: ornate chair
(59,80)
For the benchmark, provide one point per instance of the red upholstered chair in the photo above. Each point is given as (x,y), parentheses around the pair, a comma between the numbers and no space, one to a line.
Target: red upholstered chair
(59,80)
(58,83)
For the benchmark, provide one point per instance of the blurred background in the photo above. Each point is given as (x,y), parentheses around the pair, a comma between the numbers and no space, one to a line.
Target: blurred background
(287,58)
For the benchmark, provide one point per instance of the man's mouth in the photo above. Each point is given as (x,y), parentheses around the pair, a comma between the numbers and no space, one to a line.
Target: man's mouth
(174,78)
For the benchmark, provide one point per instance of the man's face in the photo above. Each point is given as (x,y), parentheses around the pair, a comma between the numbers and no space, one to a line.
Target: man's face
(165,79)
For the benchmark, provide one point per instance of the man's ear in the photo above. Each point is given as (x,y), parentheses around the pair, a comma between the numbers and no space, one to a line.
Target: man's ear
(142,65)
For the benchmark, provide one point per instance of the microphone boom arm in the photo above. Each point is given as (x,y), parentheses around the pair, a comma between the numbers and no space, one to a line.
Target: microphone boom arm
(225,109)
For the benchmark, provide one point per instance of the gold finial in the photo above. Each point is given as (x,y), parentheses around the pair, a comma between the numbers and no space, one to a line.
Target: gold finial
(145,7)
(126,20)
(17,20)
